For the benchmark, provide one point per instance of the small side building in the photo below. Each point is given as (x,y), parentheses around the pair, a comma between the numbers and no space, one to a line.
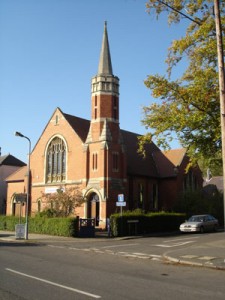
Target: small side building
(8,165)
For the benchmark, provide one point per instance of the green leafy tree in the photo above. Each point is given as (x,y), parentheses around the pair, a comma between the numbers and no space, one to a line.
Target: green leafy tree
(189,106)
(63,203)
(213,164)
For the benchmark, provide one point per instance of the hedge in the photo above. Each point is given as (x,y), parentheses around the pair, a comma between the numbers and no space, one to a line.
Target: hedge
(133,223)
(53,226)
(130,223)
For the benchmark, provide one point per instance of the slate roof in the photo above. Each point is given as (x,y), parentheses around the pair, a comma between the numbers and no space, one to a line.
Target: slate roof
(79,125)
(10,160)
(215,181)
(136,163)
(166,161)
(164,166)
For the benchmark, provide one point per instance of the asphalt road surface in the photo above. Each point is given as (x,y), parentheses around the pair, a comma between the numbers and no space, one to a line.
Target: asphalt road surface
(103,270)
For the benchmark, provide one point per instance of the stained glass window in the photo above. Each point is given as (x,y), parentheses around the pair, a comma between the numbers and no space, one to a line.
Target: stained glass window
(56,161)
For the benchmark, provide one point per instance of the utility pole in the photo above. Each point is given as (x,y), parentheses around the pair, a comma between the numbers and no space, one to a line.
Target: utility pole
(219,39)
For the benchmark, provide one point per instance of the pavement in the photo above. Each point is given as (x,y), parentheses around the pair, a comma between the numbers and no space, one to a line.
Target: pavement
(214,252)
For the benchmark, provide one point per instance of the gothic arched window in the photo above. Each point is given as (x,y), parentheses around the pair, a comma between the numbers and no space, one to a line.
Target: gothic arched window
(56,161)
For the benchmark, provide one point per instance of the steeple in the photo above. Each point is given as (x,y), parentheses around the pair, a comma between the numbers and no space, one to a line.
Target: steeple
(105,82)
(104,91)
(105,65)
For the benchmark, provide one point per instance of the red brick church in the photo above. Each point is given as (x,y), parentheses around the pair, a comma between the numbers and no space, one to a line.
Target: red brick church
(101,158)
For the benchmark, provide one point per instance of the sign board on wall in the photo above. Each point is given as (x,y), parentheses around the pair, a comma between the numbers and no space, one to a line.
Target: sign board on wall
(53,189)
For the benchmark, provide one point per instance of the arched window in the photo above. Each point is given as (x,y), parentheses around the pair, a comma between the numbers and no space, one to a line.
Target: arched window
(190,181)
(56,161)
(141,194)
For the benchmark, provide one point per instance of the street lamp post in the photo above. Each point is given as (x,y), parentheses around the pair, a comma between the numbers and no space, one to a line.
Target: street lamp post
(28,181)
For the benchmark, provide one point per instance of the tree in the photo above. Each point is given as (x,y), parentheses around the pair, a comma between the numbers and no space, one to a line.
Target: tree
(197,202)
(64,202)
(214,165)
(189,106)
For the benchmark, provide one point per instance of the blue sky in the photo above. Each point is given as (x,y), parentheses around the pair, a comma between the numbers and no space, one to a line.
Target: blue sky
(50,51)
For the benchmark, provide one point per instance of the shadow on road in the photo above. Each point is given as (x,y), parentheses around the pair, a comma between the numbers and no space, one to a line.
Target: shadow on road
(15,243)
(18,244)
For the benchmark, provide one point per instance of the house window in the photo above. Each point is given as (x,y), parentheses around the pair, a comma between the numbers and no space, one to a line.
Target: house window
(94,161)
(115,161)
(56,161)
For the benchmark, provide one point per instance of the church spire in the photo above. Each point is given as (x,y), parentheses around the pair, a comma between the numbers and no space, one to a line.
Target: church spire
(105,89)
(105,65)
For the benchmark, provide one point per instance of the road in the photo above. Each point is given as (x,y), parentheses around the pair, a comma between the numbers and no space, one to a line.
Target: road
(104,269)
(154,247)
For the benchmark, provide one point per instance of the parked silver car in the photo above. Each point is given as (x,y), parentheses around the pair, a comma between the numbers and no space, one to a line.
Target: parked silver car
(200,223)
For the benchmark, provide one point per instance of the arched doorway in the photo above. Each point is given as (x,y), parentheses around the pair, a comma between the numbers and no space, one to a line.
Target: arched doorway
(93,208)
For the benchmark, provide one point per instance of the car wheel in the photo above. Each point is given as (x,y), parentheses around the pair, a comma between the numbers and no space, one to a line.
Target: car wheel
(202,229)
(215,228)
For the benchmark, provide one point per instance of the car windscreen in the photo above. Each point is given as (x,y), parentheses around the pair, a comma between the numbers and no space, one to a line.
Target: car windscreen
(195,219)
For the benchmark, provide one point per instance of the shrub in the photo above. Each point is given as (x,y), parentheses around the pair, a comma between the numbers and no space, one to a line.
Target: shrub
(196,202)
(9,222)
(43,225)
(137,222)
(64,201)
